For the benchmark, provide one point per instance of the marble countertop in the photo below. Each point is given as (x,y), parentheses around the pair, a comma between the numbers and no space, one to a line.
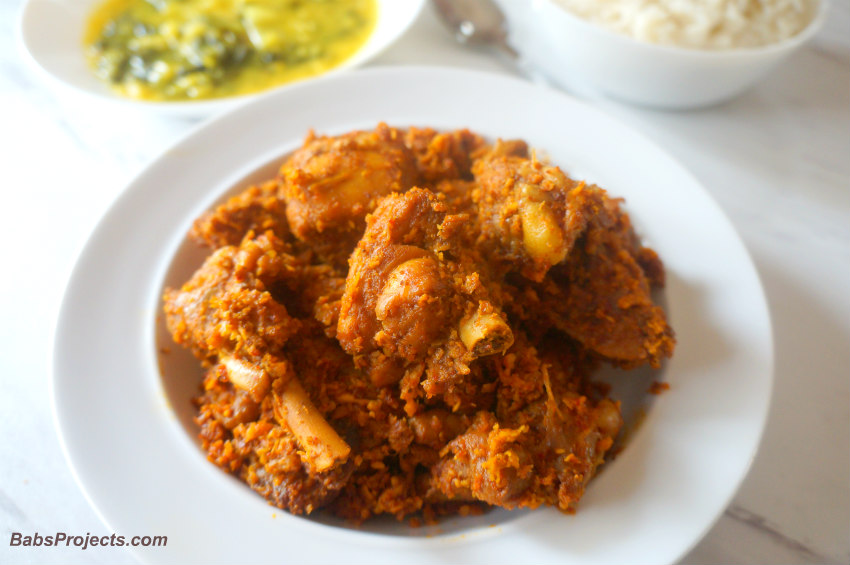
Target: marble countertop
(776,159)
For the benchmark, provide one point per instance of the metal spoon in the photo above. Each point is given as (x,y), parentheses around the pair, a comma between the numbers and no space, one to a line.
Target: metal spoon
(476,22)
(482,23)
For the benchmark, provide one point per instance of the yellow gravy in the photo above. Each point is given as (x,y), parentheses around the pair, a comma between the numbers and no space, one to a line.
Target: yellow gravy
(195,49)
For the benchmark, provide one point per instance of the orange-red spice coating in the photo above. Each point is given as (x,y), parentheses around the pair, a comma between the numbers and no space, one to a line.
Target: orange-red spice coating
(406,322)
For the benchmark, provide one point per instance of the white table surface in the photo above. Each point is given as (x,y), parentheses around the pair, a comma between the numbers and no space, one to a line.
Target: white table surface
(777,160)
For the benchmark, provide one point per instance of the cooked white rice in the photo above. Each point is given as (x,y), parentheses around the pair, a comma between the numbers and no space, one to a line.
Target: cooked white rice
(699,24)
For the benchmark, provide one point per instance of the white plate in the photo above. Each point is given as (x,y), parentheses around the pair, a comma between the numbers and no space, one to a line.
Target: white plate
(51,36)
(127,431)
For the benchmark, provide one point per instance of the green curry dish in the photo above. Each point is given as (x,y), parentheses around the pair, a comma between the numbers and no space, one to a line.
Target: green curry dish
(191,49)
(301,37)
(181,61)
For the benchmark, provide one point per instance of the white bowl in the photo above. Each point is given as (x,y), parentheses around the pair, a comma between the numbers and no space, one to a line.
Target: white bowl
(51,36)
(586,58)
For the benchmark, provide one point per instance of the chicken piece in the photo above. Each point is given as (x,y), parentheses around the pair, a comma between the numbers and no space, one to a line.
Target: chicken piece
(293,408)
(252,298)
(258,209)
(529,214)
(411,300)
(227,315)
(544,442)
(572,437)
(331,184)
(227,307)
(443,156)
(601,295)
(242,437)
(487,463)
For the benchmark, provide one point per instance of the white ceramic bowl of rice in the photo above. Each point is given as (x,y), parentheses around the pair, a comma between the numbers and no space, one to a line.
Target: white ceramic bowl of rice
(675,54)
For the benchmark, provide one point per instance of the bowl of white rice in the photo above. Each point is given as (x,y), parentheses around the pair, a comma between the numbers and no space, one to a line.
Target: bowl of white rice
(675,54)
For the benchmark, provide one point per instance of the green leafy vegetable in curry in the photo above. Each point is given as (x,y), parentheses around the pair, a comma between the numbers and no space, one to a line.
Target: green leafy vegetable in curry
(193,49)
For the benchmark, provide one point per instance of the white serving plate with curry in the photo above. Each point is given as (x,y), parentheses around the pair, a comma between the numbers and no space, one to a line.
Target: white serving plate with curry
(124,411)
(53,35)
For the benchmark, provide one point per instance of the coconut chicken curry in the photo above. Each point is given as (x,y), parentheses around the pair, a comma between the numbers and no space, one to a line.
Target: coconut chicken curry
(407,322)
